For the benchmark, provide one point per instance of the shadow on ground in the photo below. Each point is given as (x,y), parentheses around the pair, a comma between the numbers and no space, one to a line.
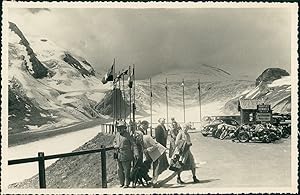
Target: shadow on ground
(187,183)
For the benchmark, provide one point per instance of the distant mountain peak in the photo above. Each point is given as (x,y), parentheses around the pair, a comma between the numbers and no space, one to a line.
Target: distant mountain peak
(271,74)
(33,64)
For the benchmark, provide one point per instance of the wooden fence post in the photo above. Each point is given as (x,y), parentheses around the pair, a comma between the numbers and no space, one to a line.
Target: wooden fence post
(42,175)
(103,167)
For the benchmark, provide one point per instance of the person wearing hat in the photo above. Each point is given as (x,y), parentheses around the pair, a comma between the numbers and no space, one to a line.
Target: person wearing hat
(161,164)
(189,162)
(144,125)
(174,130)
(126,152)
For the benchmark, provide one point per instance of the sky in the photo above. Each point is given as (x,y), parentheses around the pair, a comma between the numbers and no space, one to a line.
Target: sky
(242,41)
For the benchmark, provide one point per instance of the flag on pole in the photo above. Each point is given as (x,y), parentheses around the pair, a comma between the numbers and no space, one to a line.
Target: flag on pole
(125,72)
(166,84)
(109,76)
(130,81)
(199,85)
(182,84)
(119,76)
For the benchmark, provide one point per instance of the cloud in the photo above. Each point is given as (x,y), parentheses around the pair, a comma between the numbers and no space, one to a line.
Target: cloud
(37,10)
(155,40)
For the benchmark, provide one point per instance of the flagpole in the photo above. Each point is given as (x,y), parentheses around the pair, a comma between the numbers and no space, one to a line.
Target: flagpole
(130,96)
(133,105)
(114,95)
(199,88)
(183,101)
(166,87)
(124,102)
(120,100)
(150,107)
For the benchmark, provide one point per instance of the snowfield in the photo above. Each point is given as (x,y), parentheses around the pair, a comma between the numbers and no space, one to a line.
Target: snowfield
(54,145)
(280,82)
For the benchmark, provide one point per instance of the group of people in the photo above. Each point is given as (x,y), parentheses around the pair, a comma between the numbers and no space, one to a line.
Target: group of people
(138,147)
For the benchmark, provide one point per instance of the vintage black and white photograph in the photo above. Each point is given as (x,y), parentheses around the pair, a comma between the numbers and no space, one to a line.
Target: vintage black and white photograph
(149,97)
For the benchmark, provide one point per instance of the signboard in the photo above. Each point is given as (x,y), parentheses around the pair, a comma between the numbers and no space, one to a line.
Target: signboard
(263,108)
(263,117)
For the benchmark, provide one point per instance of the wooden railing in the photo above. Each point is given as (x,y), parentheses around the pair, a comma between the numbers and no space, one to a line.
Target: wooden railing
(41,158)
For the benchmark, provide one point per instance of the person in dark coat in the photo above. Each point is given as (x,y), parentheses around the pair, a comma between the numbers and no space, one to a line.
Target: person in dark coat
(161,164)
(127,151)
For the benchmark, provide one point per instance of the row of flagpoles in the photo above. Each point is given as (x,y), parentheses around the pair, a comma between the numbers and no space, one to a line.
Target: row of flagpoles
(183,99)
(117,78)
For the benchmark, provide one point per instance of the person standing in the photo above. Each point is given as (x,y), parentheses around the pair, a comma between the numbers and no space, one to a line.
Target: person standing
(144,127)
(174,130)
(183,139)
(161,164)
(126,152)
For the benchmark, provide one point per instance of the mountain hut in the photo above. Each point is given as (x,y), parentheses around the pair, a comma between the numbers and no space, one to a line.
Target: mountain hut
(254,111)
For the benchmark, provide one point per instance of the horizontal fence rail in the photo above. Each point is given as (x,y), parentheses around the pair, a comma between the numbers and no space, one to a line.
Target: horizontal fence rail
(41,162)
(63,155)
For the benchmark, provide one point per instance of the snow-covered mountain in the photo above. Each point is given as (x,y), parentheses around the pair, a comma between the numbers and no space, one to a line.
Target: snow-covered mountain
(219,94)
(51,87)
(273,86)
(216,90)
(48,85)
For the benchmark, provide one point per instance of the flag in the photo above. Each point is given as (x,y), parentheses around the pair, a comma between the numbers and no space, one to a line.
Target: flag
(119,76)
(151,95)
(166,85)
(199,86)
(109,76)
(182,84)
(125,72)
(130,82)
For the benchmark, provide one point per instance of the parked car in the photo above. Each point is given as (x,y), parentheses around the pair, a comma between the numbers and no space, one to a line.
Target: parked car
(217,127)
(209,129)
(227,128)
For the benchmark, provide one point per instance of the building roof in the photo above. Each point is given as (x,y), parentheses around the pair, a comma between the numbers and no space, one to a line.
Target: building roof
(249,104)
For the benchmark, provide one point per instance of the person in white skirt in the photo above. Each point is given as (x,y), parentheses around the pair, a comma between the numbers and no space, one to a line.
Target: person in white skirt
(183,139)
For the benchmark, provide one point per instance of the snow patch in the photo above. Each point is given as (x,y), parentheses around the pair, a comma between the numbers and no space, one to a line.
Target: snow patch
(254,91)
(13,37)
(286,80)
(33,127)
(43,115)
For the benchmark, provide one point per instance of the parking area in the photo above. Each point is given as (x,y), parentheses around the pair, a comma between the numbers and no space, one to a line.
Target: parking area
(223,164)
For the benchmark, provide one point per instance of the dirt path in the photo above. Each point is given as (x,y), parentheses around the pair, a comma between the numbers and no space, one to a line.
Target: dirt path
(26,137)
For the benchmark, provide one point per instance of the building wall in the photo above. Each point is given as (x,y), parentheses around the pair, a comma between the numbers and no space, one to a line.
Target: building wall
(248,116)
